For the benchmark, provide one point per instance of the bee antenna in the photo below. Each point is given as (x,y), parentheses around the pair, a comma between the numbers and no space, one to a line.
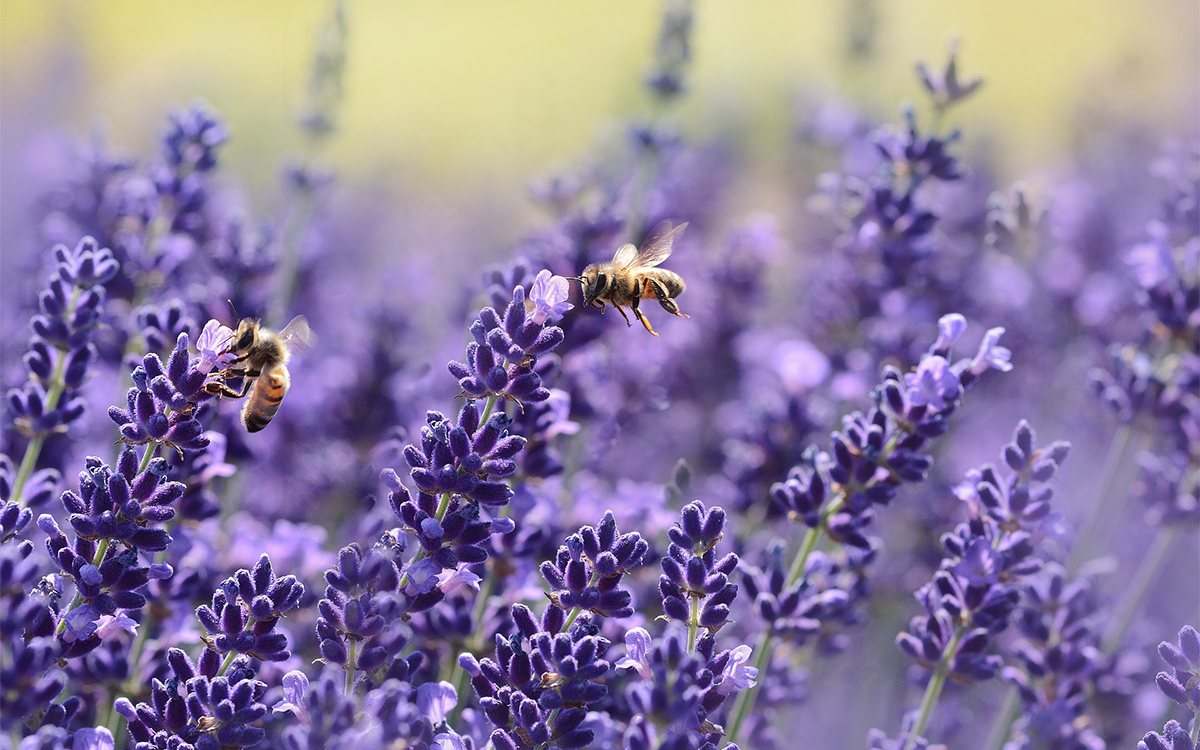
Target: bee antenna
(235,312)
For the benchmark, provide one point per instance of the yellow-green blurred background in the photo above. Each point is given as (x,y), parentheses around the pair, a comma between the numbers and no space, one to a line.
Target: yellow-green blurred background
(463,92)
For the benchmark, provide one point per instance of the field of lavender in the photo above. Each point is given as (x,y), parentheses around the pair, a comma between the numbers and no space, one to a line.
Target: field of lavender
(918,468)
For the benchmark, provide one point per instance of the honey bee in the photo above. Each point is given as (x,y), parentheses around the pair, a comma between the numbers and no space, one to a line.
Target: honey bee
(261,361)
(631,276)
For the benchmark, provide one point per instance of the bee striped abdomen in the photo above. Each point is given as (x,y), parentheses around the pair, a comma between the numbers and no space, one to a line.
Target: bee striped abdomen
(265,399)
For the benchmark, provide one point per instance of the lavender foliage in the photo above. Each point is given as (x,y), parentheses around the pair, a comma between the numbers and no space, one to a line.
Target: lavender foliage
(586,537)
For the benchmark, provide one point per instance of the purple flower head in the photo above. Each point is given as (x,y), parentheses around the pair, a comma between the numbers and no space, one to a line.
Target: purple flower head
(934,384)
(991,355)
(1152,262)
(637,650)
(1174,737)
(1183,686)
(737,674)
(421,576)
(109,625)
(89,738)
(81,622)
(448,741)
(587,570)
(548,298)
(213,345)
(295,686)
(458,579)
(943,86)
(436,700)
(950,328)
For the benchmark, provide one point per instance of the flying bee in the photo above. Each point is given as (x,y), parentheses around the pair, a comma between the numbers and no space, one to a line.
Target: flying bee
(261,358)
(631,276)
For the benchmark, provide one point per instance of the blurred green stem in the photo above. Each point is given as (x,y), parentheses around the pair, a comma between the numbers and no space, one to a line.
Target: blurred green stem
(1139,588)
(1100,509)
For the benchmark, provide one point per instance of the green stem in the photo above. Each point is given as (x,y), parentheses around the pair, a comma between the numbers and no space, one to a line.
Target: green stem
(745,698)
(353,647)
(1139,588)
(693,624)
(226,662)
(1100,508)
(933,690)
(762,651)
(57,387)
(488,408)
(1002,726)
(147,456)
(458,676)
(288,268)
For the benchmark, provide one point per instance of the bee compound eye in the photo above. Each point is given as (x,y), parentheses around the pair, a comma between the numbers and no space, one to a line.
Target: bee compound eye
(246,340)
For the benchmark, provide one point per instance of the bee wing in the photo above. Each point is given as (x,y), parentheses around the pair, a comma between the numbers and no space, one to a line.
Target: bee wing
(296,335)
(624,256)
(660,249)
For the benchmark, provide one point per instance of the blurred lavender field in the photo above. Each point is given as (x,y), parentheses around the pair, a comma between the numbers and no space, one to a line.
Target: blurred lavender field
(921,469)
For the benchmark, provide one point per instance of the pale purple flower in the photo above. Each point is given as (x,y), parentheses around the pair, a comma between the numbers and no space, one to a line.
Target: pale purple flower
(89,738)
(991,355)
(950,327)
(637,652)
(80,623)
(435,700)
(295,685)
(559,404)
(451,580)
(980,565)
(548,297)
(448,741)
(212,344)
(933,382)
(1152,263)
(216,466)
(737,674)
(800,365)
(109,625)
(421,577)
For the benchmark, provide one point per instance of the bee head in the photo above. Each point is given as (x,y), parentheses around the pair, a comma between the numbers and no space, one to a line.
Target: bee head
(592,282)
(243,337)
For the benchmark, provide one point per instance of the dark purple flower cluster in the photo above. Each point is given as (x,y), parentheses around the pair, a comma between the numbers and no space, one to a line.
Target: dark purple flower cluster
(205,705)
(975,592)
(501,360)
(245,613)
(587,571)
(537,689)
(363,600)
(681,689)
(116,514)
(1058,658)
(695,586)
(59,357)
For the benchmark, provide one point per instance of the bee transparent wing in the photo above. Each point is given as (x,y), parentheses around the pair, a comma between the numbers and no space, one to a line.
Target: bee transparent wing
(296,335)
(660,248)
(624,256)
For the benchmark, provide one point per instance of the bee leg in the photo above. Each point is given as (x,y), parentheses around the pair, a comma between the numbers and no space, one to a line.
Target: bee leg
(642,317)
(623,315)
(220,389)
(667,303)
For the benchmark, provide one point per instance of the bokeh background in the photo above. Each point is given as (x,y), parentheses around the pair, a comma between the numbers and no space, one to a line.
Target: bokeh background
(460,96)
(451,110)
